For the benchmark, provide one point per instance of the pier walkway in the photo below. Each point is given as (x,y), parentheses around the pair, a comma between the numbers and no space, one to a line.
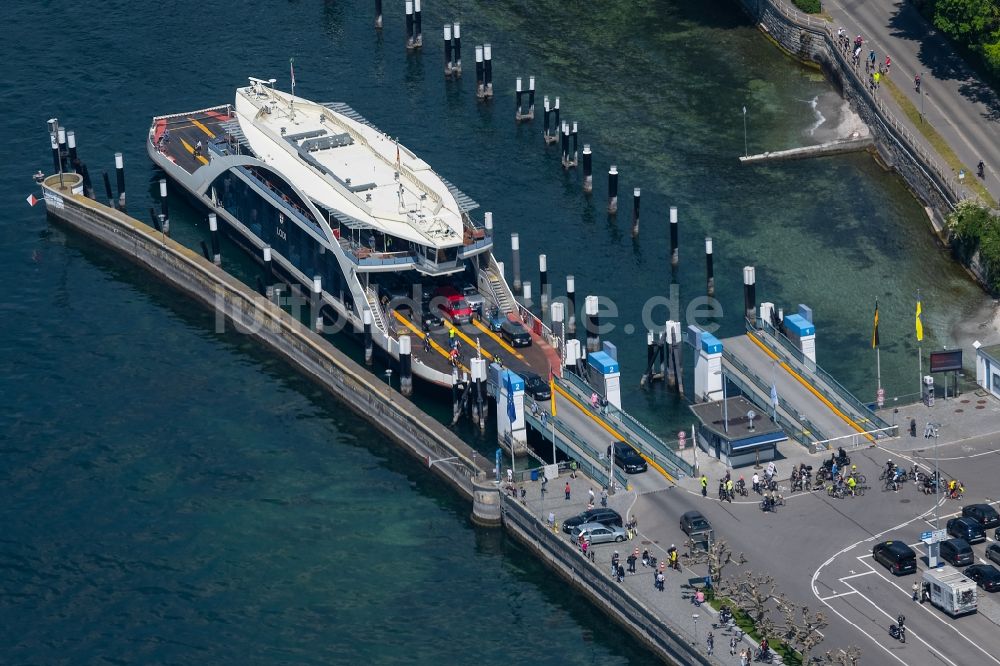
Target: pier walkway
(811,406)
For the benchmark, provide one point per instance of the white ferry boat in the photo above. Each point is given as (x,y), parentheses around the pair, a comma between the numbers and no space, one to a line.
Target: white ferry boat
(332,196)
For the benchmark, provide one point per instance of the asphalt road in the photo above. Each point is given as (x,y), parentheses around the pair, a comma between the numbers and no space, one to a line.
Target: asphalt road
(819,551)
(965,111)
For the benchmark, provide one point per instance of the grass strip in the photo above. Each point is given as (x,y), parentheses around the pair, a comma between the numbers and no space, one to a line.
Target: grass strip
(937,142)
(789,656)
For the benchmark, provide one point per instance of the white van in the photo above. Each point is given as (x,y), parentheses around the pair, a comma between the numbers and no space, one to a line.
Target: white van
(950,590)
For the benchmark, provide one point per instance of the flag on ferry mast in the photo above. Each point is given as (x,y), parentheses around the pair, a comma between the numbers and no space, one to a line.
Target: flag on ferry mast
(875,328)
(291,67)
(920,323)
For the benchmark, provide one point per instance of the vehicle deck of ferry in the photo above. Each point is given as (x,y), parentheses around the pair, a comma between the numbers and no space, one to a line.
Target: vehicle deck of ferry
(177,137)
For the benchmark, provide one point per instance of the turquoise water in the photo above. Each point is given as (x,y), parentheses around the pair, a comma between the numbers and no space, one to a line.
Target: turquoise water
(172,494)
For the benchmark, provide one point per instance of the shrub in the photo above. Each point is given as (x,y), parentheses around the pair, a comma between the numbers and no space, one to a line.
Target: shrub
(808,6)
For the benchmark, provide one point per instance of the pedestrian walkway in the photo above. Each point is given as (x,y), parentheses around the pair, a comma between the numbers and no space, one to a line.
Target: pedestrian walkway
(675,602)
(964,110)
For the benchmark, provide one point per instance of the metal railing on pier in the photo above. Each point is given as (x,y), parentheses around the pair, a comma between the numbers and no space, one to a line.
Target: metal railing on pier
(838,395)
(648,443)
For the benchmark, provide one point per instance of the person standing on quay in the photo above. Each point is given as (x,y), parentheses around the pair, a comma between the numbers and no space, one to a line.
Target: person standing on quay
(566,489)
(590,494)
(704,486)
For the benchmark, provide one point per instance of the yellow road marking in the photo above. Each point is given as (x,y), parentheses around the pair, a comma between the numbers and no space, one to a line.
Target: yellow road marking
(809,387)
(552,392)
(497,339)
(434,345)
(468,340)
(188,147)
(609,429)
(202,128)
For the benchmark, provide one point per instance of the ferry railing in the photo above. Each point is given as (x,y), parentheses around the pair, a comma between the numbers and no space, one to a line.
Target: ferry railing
(648,442)
(797,430)
(591,463)
(838,395)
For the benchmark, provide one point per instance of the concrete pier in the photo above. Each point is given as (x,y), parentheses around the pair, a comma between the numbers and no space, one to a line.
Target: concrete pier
(238,305)
(849,145)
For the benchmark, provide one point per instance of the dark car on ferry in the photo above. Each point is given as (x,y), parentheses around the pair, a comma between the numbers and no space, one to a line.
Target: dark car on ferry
(895,556)
(514,334)
(535,386)
(986,576)
(608,517)
(985,514)
(627,458)
(966,528)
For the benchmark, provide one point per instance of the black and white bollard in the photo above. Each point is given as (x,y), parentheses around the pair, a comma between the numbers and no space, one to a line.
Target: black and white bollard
(588,175)
(164,211)
(547,134)
(647,377)
(405,365)
(571,302)
(409,26)
(378,14)
(515,248)
(674,254)
(71,147)
(531,98)
(709,270)
(56,160)
(366,321)
(488,69)
(543,282)
(107,188)
(120,175)
(447,50)
(636,193)
(418,28)
(526,295)
(574,136)
(517,99)
(63,151)
(555,120)
(317,298)
(564,132)
(750,294)
(559,326)
(456,47)
(213,228)
(590,304)
(613,189)
(480,86)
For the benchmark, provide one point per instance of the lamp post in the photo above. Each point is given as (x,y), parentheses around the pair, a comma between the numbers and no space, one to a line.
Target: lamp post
(694,616)
(933,555)
(388,379)
(746,152)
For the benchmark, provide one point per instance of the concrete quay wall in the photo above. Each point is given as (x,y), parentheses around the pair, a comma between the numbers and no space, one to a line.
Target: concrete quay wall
(558,553)
(387,410)
(813,39)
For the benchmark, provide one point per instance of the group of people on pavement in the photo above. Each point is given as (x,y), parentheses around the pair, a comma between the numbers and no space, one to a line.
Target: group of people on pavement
(874,68)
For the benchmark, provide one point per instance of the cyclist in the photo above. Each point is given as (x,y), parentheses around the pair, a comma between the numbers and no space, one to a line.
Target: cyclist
(851,483)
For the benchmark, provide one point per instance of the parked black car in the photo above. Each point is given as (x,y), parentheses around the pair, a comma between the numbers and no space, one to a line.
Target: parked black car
(966,528)
(627,458)
(895,556)
(993,553)
(535,386)
(608,517)
(984,513)
(514,334)
(986,576)
(957,552)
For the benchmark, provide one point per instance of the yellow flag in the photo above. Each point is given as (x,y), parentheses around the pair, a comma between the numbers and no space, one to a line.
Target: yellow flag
(920,324)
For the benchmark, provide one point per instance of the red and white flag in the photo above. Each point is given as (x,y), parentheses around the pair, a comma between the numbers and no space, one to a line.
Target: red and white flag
(32,199)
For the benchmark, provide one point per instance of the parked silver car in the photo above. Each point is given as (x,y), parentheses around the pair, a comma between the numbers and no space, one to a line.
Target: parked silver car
(599,533)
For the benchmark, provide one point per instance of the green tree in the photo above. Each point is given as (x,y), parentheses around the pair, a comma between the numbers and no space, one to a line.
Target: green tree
(972,22)
(967,224)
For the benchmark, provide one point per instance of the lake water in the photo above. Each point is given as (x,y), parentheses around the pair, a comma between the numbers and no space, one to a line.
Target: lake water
(173,494)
